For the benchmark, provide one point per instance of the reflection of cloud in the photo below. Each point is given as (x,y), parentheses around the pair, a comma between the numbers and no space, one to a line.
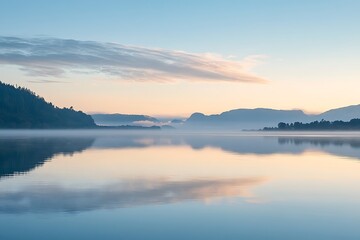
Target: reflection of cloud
(53,57)
(122,194)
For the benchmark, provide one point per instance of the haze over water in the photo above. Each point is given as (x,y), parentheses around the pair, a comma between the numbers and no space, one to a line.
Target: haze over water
(173,185)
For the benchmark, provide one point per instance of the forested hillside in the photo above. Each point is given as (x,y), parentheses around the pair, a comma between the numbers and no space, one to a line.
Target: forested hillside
(22,108)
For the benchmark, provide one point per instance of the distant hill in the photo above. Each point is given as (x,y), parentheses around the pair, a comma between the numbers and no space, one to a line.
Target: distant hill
(244,118)
(344,113)
(21,108)
(258,118)
(123,119)
(238,119)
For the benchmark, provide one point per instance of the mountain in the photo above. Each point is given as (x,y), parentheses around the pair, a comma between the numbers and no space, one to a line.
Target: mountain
(344,113)
(21,108)
(240,119)
(123,119)
(244,118)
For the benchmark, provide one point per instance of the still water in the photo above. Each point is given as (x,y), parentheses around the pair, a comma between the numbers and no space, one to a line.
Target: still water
(159,185)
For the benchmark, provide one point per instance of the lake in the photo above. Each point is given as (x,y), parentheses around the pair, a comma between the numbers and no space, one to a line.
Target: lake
(173,185)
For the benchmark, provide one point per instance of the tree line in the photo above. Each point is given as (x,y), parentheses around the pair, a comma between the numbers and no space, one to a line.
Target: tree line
(22,108)
(353,124)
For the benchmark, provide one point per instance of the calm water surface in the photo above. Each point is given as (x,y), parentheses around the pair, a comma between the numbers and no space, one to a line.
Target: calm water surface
(158,185)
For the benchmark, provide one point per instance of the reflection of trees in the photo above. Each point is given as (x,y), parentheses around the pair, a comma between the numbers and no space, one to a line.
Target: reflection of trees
(23,154)
(339,146)
(322,142)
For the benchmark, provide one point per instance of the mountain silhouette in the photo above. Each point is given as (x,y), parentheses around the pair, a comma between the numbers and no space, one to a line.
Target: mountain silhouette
(244,118)
(22,108)
(237,119)
(344,113)
(257,118)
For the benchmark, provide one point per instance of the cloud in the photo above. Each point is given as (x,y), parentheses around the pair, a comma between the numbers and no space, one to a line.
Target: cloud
(55,57)
(126,193)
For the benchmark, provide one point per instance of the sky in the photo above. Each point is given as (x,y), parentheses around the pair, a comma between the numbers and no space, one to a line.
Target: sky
(173,58)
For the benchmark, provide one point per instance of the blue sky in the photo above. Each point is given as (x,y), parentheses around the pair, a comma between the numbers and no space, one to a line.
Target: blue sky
(308,44)
(221,26)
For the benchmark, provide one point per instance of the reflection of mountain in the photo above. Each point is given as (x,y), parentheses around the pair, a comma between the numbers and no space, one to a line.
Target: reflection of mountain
(19,155)
(341,146)
(23,153)
(123,194)
(252,144)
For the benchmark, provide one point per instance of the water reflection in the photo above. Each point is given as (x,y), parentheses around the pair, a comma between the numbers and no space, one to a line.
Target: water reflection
(124,185)
(116,178)
(340,146)
(20,155)
(125,193)
(243,144)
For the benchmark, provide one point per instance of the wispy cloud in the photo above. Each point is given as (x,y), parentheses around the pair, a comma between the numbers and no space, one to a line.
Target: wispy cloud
(55,57)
